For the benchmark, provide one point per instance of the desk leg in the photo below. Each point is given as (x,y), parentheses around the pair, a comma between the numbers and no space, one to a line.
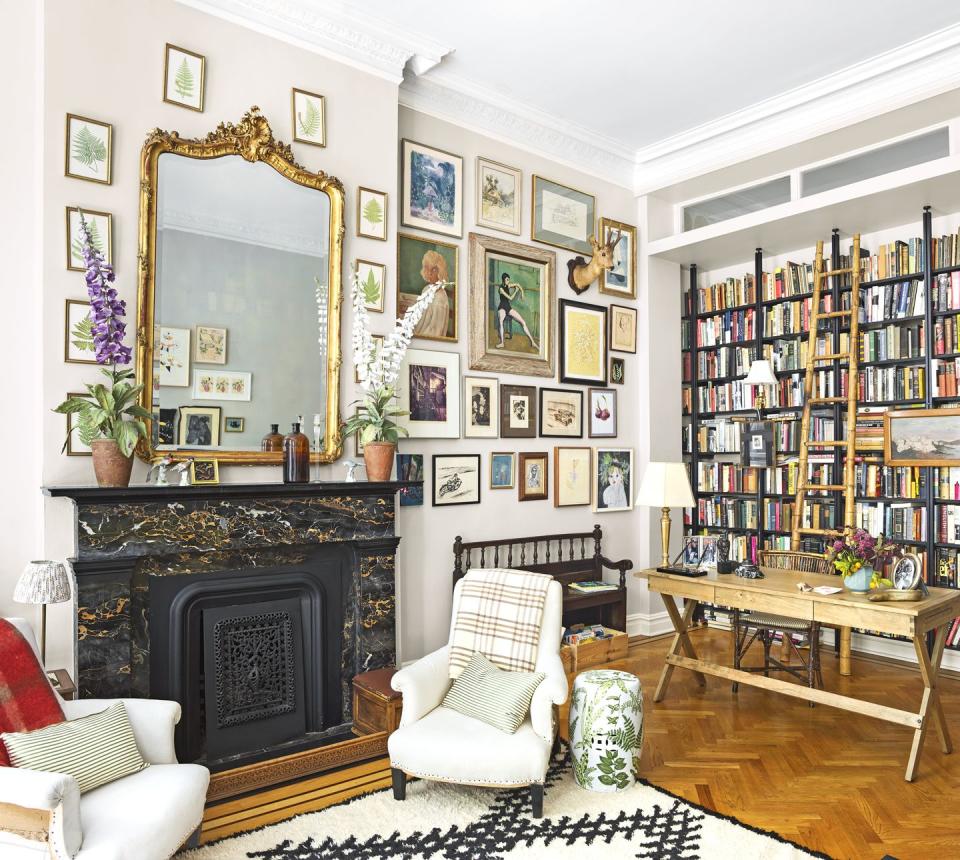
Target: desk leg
(845,645)
(680,641)
(930,703)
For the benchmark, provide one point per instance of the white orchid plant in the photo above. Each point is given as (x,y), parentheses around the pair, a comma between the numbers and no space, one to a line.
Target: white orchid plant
(375,418)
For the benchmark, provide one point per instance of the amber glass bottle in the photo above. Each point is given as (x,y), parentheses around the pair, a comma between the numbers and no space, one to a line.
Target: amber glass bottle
(296,457)
(273,441)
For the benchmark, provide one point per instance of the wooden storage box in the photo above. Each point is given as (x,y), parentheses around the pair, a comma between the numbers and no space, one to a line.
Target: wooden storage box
(596,652)
(376,705)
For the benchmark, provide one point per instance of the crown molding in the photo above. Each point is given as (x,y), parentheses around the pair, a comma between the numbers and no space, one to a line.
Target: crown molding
(219,227)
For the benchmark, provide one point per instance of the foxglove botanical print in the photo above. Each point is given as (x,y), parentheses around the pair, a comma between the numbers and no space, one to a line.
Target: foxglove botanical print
(183,78)
(89,152)
(309,120)
(432,186)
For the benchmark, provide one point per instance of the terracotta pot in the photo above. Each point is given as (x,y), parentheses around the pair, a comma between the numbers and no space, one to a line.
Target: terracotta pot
(378,457)
(110,466)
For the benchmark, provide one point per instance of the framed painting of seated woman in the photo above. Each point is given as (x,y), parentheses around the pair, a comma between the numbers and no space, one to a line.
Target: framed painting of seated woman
(511,307)
(421,262)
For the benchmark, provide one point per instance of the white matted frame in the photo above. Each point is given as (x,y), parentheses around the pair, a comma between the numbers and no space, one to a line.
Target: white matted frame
(424,375)
(481,407)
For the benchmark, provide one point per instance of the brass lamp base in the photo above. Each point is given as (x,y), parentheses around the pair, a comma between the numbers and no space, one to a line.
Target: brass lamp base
(665,536)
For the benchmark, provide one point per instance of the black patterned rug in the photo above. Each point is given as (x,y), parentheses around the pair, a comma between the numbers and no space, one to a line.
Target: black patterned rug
(446,822)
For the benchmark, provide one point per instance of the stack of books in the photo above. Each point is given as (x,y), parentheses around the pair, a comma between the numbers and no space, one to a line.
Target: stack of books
(591,586)
(577,634)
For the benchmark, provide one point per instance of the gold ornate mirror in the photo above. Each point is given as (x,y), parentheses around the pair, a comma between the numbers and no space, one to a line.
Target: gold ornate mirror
(239,295)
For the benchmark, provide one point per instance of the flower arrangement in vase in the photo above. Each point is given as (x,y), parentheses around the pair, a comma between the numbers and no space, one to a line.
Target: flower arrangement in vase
(375,419)
(108,417)
(859,558)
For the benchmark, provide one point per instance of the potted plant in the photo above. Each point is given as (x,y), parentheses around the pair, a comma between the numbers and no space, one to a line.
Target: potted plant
(375,421)
(859,558)
(108,417)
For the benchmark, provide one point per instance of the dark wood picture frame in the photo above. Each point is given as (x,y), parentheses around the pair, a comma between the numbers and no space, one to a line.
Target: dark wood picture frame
(508,391)
(522,459)
(578,418)
(601,310)
(618,370)
(611,316)
(436,474)
(615,407)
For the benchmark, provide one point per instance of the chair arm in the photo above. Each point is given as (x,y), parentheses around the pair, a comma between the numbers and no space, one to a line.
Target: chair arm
(552,691)
(625,565)
(152,720)
(423,685)
(55,793)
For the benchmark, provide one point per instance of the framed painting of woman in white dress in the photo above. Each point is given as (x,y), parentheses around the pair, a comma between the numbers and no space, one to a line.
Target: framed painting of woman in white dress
(421,262)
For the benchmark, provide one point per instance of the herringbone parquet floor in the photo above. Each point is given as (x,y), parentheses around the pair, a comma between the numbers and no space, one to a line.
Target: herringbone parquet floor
(827,779)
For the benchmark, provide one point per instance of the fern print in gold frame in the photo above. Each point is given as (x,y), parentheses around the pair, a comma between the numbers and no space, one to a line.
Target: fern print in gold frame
(100,225)
(372,214)
(309,118)
(373,279)
(183,77)
(583,343)
(89,149)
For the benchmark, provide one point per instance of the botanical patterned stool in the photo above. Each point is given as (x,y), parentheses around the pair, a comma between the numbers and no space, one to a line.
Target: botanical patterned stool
(606,729)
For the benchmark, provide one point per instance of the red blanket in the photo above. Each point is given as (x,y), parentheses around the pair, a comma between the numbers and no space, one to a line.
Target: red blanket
(27,701)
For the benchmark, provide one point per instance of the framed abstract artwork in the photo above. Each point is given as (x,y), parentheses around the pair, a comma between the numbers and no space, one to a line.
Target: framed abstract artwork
(309,116)
(518,411)
(372,214)
(602,412)
(621,279)
(428,390)
(100,225)
(583,343)
(199,426)
(922,437)
(612,479)
(499,196)
(562,216)
(571,477)
(89,149)
(502,467)
(204,470)
(456,479)
(561,412)
(623,329)
(431,190)
(373,278)
(421,262)
(183,77)
(533,479)
(481,407)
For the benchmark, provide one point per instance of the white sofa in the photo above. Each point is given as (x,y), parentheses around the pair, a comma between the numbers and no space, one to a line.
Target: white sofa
(438,743)
(146,816)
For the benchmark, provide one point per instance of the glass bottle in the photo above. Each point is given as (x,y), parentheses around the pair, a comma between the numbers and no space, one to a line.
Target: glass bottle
(296,457)
(273,441)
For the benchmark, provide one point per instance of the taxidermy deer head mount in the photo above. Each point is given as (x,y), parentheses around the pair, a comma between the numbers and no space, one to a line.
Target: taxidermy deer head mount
(581,273)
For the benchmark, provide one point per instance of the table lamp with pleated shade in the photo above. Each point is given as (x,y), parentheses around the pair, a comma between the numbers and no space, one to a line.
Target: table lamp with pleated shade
(43,582)
(665,486)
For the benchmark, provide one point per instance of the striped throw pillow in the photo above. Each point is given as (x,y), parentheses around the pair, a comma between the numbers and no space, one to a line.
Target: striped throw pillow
(492,694)
(93,750)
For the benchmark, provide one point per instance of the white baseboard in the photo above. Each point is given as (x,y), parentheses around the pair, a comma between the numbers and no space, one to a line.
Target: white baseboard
(641,624)
(877,646)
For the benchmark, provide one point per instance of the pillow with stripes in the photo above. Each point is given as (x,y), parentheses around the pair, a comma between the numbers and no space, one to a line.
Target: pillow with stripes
(94,750)
(492,694)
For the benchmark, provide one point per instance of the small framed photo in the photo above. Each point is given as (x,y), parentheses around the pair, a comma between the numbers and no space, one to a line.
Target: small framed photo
(100,225)
(378,340)
(199,426)
(373,277)
(617,371)
(562,216)
(210,345)
(518,411)
(571,477)
(171,350)
(561,412)
(429,394)
(621,279)
(431,184)
(456,479)
(499,193)
(612,479)
(89,149)
(233,424)
(583,343)
(309,117)
(481,407)
(75,446)
(534,481)
(708,551)
(603,413)
(502,466)
(623,329)
(410,468)
(372,214)
(183,77)
(690,556)
(77,343)
(204,470)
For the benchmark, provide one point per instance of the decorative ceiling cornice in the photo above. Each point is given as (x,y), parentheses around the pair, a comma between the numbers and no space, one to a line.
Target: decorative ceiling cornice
(280,238)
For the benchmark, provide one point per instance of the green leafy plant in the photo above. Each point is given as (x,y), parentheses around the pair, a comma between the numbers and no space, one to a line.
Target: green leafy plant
(82,335)
(183,80)
(373,211)
(374,420)
(613,769)
(371,289)
(89,149)
(309,119)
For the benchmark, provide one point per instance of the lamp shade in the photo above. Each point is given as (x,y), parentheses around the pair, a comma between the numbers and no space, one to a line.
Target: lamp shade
(665,485)
(761,373)
(43,582)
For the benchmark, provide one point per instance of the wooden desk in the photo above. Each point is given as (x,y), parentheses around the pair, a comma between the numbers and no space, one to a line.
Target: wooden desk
(777,593)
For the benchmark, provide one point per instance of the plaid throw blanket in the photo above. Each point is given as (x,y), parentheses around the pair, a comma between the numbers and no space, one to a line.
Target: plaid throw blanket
(499,616)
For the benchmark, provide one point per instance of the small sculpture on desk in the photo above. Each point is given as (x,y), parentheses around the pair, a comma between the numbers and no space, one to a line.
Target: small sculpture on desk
(351,469)
(749,570)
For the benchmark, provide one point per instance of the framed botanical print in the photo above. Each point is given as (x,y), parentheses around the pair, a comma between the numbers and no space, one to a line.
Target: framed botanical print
(89,149)
(421,262)
(518,411)
(502,466)
(183,77)
(618,369)
(410,468)
(210,345)
(100,225)
(74,445)
(199,426)
(309,117)
(561,412)
(571,477)
(623,329)
(621,278)
(583,343)
(431,191)
(171,349)
(204,470)
(922,437)
(603,413)
(373,277)
(511,307)
(534,479)
(499,196)
(222,385)
(456,479)
(612,479)
(562,216)
(481,407)
(372,214)
(77,335)
(428,390)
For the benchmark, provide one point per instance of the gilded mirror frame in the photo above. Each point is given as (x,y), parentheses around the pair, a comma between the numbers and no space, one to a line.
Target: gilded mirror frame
(253,140)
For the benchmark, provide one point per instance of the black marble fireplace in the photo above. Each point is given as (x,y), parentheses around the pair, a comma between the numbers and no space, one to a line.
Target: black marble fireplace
(252,605)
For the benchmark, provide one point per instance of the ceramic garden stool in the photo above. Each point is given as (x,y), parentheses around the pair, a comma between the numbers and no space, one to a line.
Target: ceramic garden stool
(606,729)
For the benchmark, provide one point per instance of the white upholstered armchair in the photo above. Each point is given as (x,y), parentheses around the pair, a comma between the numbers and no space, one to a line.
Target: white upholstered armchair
(148,815)
(434,742)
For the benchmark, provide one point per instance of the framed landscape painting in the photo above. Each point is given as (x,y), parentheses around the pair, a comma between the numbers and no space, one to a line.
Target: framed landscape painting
(583,343)
(431,192)
(421,262)
(499,194)
(456,479)
(561,412)
(372,214)
(518,411)
(621,279)
(562,216)
(612,479)
(571,477)
(481,407)
(100,225)
(922,437)
(428,390)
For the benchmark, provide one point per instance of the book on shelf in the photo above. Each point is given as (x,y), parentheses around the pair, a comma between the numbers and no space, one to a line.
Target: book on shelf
(946,292)
(900,257)
(948,524)
(872,480)
(893,342)
(945,373)
(724,361)
(591,586)
(945,250)
(793,279)
(727,327)
(896,520)
(946,335)
(891,301)
(717,436)
(945,568)
(890,383)
(718,512)
(731,293)
(948,482)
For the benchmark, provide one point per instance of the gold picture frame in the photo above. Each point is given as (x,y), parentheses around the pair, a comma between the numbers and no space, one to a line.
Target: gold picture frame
(372,194)
(541,233)
(933,425)
(68,333)
(69,448)
(107,254)
(182,101)
(533,466)
(610,278)
(501,484)
(86,150)
(307,95)
(446,266)
(204,470)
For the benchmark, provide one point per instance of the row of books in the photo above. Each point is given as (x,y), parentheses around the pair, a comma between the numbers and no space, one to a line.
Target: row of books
(945,251)
(948,482)
(945,568)
(945,373)
(890,383)
(731,293)
(777,515)
(894,258)
(725,361)
(725,397)
(726,478)
(902,482)
(728,327)
(892,301)
(793,279)
(948,524)
(791,353)
(684,334)
(898,521)
(818,515)
(868,428)
(719,512)
(953,634)
(782,480)
(787,318)
(946,335)
(946,292)
(893,342)
(719,437)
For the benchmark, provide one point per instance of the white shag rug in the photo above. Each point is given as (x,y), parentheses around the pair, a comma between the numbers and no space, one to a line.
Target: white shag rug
(447,822)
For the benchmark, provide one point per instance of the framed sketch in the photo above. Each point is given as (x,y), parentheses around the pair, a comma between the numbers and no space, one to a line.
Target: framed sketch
(222,384)
(571,477)
(233,424)
(204,470)
(431,190)
(623,329)
(621,279)
(562,216)
(511,307)
(617,370)
(210,345)
(429,394)
(421,262)
(921,437)
(499,196)
(603,413)
(165,426)
(371,214)
(534,480)
(100,225)
(583,343)
(518,411)
(171,349)
(75,446)
(456,479)
(77,343)
(502,466)
(199,426)
(481,407)
(373,279)
(612,479)
(410,468)
(378,340)
(89,149)
(561,412)
(309,117)
(183,77)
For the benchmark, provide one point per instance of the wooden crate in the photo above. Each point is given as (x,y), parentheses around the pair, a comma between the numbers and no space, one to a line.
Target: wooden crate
(596,652)
(376,706)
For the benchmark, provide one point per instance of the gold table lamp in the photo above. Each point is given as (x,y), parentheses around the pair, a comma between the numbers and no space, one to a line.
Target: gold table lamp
(665,486)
